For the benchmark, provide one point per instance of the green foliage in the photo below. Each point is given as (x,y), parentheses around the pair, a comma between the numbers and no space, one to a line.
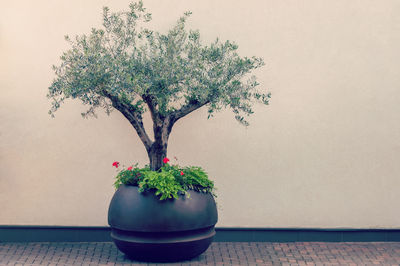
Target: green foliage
(128,62)
(131,177)
(163,182)
(169,182)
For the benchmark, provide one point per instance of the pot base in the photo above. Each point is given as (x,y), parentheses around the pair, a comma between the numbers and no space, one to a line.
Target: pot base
(163,246)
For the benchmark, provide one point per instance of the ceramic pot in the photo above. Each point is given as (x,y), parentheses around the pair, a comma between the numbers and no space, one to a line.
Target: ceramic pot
(148,229)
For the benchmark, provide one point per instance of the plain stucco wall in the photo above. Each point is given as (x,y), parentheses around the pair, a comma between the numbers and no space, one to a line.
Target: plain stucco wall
(324,154)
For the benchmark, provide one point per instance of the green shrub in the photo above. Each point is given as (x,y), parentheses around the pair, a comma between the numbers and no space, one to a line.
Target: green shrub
(168,182)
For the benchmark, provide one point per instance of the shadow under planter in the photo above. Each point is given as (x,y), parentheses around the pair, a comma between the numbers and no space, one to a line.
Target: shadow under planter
(147,229)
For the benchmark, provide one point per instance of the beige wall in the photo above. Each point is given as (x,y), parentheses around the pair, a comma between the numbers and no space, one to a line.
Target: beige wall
(324,154)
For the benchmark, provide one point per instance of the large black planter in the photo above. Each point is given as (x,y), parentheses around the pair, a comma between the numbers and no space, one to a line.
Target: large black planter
(147,229)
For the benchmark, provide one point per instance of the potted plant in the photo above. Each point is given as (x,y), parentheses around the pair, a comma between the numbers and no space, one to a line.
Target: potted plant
(161,212)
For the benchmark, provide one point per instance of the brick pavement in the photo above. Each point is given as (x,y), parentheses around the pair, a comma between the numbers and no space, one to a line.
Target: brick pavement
(219,253)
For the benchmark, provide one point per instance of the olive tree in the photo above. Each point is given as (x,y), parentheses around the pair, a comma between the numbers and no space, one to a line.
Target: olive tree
(127,67)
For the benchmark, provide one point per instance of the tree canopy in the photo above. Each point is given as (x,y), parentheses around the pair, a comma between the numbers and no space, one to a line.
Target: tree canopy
(128,67)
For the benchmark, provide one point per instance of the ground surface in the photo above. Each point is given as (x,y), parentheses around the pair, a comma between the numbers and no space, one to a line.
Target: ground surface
(219,253)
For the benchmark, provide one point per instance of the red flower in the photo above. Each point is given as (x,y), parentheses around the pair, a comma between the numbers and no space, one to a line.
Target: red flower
(129,168)
(116,164)
(165,160)
(182,173)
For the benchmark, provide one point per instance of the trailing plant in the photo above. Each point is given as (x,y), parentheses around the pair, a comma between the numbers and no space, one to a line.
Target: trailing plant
(168,182)
(133,69)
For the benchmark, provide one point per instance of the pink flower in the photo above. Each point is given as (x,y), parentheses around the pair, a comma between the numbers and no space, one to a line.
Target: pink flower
(116,164)
(182,173)
(165,160)
(129,168)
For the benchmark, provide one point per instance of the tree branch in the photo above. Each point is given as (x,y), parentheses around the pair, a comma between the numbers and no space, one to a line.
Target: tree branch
(152,108)
(187,109)
(133,117)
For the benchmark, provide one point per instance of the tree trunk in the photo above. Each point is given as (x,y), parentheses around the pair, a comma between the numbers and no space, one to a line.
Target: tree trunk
(162,127)
(157,153)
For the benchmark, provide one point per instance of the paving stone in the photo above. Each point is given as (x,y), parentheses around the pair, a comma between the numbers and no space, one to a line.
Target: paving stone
(219,253)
